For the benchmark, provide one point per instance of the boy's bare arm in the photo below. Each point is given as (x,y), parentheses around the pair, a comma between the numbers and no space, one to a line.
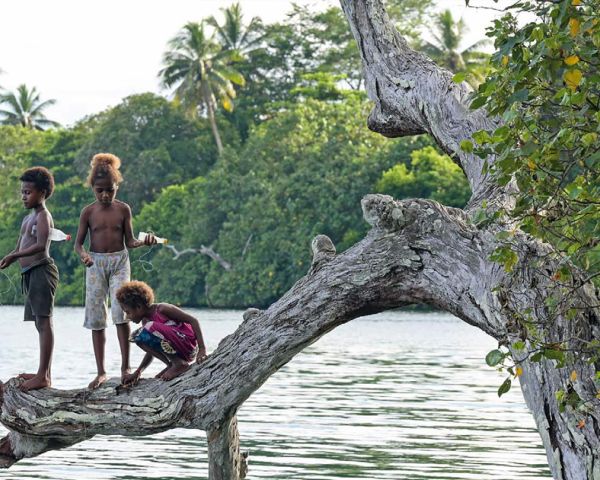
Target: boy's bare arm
(82,230)
(130,240)
(6,261)
(177,314)
(42,237)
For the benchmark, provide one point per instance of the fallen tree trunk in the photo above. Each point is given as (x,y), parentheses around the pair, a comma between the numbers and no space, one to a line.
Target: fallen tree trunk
(417,251)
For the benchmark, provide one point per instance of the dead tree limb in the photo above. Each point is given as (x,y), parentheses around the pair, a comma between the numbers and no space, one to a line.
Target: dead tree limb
(203,250)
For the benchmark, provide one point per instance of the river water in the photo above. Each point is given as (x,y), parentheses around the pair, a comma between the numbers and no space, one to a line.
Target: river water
(391,396)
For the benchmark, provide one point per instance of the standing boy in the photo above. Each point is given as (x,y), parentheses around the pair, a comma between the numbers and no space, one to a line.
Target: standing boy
(39,273)
(108,222)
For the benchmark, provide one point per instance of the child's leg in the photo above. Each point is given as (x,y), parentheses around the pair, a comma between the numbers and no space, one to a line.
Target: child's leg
(46,338)
(178,366)
(123,332)
(96,312)
(29,316)
(99,342)
(120,274)
(157,354)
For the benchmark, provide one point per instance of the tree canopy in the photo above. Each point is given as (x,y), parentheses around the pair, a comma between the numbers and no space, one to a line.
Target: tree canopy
(293,139)
(25,108)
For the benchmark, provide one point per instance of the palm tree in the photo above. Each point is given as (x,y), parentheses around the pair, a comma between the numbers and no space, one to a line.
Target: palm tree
(233,35)
(201,72)
(446,52)
(25,108)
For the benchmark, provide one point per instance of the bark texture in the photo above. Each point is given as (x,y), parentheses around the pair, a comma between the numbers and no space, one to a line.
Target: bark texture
(417,251)
(226,462)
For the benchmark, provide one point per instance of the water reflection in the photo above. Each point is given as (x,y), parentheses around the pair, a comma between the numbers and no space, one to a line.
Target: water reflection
(396,396)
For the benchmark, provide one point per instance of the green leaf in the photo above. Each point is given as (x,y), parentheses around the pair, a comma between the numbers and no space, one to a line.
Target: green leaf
(553,354)
(494,357)
(536,357)
(478,102)
(482,137)
(505,387)
(459,77)
(589,138)
(519,96)
(466,146)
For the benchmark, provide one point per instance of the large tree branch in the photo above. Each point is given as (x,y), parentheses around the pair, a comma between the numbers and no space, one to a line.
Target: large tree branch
(413,95)
(417,251)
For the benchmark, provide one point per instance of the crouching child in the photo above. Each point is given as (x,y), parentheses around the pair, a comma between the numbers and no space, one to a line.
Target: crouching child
(167,332)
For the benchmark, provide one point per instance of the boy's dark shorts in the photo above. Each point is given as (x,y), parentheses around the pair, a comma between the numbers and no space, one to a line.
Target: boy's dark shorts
(39,282)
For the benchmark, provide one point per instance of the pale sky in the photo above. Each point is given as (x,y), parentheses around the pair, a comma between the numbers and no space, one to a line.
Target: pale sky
(89,54)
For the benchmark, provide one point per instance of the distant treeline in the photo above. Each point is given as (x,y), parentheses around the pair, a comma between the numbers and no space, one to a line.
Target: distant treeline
(296,160)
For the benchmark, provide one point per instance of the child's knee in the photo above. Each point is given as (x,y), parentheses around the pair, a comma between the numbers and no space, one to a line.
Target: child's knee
(43,323)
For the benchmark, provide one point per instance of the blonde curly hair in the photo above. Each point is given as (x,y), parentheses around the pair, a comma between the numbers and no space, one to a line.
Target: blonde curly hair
(105,165)
(135,294)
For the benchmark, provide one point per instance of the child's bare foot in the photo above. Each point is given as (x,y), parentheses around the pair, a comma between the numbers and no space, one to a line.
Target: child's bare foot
(35,383)
(98,381)
(26,376)
(162,372)
(174,370)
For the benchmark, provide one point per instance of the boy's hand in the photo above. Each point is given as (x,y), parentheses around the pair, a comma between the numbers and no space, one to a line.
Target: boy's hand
(86,259)
(150,239)
(201,355)
(6,261)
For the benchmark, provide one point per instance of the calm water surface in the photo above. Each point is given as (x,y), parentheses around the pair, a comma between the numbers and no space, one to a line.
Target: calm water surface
(392,396)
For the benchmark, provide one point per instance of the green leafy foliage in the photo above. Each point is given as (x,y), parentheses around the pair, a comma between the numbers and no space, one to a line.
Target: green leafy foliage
(153,136)
(429,174)
(25,108)
(296,161)
(505,387)
(299,174)
(495,357)
(545,87)
(546,90)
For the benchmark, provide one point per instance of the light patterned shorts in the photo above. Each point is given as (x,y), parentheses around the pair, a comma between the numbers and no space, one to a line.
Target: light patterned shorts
(102,280)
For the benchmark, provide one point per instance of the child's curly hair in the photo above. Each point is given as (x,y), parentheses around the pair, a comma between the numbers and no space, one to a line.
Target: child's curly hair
(105,165)
(135,294)
(41,178)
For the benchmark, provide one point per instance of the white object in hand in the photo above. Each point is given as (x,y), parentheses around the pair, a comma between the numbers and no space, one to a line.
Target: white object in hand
(142,236)
(57,235)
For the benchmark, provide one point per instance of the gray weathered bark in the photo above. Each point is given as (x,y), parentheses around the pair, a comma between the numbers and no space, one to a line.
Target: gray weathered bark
(417,251)
(226,462)
(412,95)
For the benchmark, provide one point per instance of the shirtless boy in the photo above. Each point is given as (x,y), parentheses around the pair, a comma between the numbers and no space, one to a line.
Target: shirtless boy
(39,273)
(108,222)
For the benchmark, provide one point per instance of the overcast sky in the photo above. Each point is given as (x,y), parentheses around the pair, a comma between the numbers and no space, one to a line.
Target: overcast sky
(90,54)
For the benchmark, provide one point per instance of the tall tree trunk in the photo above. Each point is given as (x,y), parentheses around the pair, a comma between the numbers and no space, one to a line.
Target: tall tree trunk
(210,109)
(417,251)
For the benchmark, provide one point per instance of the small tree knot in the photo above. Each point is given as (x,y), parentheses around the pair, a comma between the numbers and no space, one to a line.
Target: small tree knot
(381,211)
(251,313)
(323,250)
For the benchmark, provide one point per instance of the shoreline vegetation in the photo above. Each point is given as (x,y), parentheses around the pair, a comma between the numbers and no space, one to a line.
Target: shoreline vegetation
(241,185)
